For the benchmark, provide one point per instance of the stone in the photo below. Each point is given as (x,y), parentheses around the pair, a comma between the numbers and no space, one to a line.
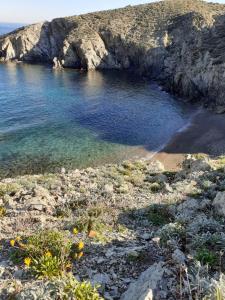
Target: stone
(155,167)
(179,257)
(197,165)
(100,279)
(108,188)
(219,203)
(146,236)
(147,284)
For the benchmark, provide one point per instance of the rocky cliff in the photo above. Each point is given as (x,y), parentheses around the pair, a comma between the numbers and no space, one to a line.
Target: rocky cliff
(179,43)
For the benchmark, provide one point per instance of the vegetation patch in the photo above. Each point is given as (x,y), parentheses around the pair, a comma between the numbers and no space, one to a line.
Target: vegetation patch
(159,215)
(9,189)
(2,211)
(47,254)
(207,257)
(173,231)
(155,187)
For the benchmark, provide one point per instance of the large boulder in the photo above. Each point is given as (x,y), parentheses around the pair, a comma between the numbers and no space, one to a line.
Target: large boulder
(219,204)
(147,284)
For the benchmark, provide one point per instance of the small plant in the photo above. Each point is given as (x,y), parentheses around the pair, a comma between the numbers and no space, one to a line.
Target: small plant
(9,188)
(2,211)
(47,254)
(172,231)
(206,257)
(66,287)
(80,290)
(196,193)
(155,187)
(48,266)
(159,215)
(62,212)
(136,179)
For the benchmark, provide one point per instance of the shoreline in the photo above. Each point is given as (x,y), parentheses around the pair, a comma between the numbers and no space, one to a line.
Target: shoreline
(203,135)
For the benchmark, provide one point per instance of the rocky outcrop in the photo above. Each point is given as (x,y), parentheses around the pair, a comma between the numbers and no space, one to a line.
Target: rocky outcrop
(147,283)
(177,42)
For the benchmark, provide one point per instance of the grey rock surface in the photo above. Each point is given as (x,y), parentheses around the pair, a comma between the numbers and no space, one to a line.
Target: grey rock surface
(147,283)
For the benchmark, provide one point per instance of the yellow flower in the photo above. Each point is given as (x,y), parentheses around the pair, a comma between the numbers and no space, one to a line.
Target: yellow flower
(21,245)
(12,243)
(48,254)
(27,261)
(80,246)
(80,255)
(18,238)
(68,266)
(75,231)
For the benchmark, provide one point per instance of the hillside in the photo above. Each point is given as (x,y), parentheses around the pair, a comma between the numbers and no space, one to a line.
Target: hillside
(179,43)
(136,230)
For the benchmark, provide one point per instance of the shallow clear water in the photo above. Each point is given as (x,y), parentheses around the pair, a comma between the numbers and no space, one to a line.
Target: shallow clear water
(50,119)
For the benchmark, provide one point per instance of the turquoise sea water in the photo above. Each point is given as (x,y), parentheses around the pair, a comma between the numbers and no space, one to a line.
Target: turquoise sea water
(51,119)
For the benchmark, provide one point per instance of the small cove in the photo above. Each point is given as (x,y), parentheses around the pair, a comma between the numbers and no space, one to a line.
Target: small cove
(66,118)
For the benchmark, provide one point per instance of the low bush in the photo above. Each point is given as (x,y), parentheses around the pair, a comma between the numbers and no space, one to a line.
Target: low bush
(46,254)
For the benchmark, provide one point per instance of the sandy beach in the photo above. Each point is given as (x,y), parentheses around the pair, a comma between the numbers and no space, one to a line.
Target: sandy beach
(206,134)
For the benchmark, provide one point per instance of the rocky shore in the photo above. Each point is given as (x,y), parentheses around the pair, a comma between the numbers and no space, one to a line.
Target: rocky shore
(135,230)
(179,43)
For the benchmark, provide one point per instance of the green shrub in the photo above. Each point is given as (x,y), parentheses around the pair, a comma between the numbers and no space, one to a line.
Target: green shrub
(63,288)
(159,215)
(47,254)
(2,211)
(206,257)
(56,242)
(48,266)
(9,188)
(155,187)
(172,231)
(80,290)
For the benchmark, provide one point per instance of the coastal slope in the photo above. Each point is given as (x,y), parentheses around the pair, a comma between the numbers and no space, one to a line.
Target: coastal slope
(178,43)
(134,229)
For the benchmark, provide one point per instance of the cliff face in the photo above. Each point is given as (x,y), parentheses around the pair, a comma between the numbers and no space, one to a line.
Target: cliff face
(177,42)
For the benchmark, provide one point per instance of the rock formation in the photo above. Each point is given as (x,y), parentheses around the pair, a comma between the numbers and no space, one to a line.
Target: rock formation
(179,43)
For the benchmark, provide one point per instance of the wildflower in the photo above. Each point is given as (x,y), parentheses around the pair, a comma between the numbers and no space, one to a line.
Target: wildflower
(21,245)
(18,238)
(27,261)
(75,231)
(80,245)
(12,243)
(48,254)
(79,255)
(92,234)
(68,266)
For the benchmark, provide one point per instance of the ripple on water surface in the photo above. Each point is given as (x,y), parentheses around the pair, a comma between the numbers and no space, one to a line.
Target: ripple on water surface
(50,118)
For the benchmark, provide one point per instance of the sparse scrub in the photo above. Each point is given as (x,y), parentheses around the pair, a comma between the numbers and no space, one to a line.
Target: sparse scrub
(207,257)
(155,187)
(9,188)
(2,211)
(47,254)
(159,215)
(172,231)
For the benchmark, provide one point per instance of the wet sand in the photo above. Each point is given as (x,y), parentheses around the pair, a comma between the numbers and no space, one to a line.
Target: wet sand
(206,134)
